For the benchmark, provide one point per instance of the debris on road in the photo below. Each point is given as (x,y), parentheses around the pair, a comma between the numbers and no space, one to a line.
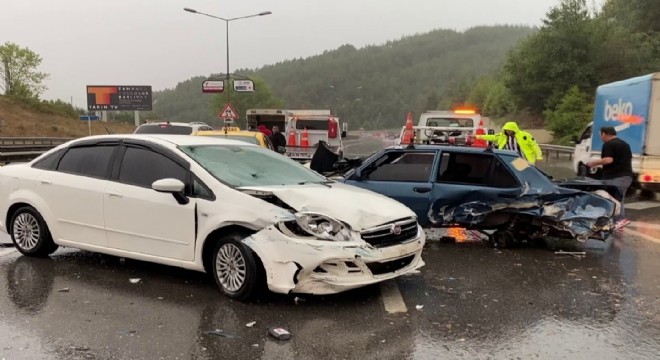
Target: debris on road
(135,280)
(220,333)
(279,333)
(63,290)
(574,253)
(251,324)
(419,307)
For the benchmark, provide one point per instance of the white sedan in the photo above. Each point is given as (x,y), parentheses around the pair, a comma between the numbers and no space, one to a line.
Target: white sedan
(248,216)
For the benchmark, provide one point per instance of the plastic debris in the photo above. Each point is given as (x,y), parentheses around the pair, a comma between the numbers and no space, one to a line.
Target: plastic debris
(135,280)
(419,307)
(561,252)
(63,290)
(251,324)
(279,333)
(220,333)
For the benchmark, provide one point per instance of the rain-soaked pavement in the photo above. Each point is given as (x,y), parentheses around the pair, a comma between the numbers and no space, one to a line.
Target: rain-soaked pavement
(469,301)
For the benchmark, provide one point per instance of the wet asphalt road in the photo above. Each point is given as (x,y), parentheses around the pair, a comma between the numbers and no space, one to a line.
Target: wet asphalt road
(469,301)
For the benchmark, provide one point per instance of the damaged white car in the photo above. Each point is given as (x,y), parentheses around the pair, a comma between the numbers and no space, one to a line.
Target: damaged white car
(248,216)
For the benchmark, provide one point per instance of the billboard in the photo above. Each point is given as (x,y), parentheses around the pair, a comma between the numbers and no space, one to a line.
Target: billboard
(119,98)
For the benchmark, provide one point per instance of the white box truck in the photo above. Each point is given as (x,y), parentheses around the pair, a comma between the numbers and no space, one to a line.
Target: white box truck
(632,107)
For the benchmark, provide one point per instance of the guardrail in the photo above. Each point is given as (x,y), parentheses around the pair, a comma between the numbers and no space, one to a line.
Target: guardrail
(558,149)
(26,148)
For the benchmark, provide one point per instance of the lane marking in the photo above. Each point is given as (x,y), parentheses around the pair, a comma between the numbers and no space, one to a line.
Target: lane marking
(644,225)
(392,298)
(642,235)
(642,205)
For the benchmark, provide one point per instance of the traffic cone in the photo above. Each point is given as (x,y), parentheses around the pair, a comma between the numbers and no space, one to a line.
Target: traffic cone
(480,131)
(292,137)
(304,142)
(408,133)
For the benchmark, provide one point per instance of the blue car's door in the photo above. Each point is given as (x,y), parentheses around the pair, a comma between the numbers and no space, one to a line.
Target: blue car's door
(467,184)
(403,175)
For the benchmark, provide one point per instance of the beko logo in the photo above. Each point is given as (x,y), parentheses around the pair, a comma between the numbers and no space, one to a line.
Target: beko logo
(614,111)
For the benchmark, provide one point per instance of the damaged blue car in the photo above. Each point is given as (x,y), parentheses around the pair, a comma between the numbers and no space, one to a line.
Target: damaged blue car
(495,192)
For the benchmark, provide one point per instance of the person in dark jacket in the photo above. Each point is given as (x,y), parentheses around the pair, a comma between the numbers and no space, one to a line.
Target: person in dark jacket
(278,140)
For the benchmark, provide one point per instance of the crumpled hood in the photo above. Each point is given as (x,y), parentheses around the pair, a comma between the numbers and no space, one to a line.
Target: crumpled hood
(360,209)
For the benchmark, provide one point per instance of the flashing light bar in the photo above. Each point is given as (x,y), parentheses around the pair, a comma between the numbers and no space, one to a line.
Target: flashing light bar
(464,111)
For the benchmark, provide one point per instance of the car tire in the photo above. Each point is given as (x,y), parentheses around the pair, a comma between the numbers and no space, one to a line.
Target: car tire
(236,269)
(30,234)
(583,170)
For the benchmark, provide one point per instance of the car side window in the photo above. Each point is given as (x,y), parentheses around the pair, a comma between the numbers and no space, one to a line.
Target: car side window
(142,167)
(91,161)
(586,134)
(401,166)
(269,144)
(50,161)
(474,169)
(200,190)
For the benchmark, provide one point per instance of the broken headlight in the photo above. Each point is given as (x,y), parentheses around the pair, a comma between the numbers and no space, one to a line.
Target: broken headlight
(321,226)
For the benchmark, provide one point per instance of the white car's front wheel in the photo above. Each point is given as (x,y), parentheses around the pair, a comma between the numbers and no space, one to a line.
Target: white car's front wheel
(30,233)
(235,268)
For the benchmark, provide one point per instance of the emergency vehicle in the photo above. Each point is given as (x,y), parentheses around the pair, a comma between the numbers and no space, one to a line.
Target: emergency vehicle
(303,129)
(447,127)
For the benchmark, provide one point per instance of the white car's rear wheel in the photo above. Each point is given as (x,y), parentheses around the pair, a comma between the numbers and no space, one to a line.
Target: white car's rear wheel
(236,268)
(30,233)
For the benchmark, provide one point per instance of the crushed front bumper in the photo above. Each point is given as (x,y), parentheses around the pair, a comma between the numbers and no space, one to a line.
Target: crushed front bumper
(296,265)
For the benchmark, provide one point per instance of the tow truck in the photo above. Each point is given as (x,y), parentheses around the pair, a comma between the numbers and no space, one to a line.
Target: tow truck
(447,127)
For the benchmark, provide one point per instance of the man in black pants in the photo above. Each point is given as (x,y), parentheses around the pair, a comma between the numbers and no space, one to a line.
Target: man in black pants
(616,159)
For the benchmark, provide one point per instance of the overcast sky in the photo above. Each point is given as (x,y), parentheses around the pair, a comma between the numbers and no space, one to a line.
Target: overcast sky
(154,42)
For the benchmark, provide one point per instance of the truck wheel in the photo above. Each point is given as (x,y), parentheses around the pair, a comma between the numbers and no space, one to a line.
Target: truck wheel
(30,233)
(583,170)
(236,268)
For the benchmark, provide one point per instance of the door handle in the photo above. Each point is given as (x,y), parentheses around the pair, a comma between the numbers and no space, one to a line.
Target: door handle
(46,182)
(114,195)
(421,189)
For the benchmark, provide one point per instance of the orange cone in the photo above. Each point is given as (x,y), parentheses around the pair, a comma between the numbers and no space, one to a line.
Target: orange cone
(304,142)
(292,137)
(480,131)
(408,133)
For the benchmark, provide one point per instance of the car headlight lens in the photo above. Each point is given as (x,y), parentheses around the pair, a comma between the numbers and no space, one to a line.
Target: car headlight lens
(322,226)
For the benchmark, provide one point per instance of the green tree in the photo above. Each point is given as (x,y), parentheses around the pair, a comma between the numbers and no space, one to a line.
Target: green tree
(499,101)
(18,72)
(261,98)
(571,115)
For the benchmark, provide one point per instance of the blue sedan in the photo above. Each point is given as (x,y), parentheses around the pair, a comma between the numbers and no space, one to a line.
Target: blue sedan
(486,189)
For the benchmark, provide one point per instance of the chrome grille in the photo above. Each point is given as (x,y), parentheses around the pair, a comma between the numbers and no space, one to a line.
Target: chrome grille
(390,234)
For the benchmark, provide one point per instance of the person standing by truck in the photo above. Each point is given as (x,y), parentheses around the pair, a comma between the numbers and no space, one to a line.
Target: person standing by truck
(278,140)
(512,138)
(616,159)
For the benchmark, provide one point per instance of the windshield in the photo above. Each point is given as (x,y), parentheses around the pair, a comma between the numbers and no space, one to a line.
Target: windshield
(450,122)
(247,139)
(250,166)
(164,129)
(321,124)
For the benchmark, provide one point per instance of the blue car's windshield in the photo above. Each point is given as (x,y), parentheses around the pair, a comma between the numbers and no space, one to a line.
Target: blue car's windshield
(238,166)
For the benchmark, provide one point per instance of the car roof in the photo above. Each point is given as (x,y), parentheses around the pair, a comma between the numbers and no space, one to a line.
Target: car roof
(166,139)
(467,149)
(174,123)
(220,132)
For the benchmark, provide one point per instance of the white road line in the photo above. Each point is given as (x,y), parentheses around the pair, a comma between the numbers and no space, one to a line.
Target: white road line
(6,251)
(392,298)
(644,225)
(641,235)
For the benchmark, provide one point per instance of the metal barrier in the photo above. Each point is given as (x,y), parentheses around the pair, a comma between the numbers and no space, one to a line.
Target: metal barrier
(558,149)
(27,148)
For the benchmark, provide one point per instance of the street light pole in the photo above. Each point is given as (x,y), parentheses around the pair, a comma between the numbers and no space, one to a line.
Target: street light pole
(227,75)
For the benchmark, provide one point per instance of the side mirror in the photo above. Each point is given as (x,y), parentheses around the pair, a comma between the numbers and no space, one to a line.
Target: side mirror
(172,186)
(343,134)
(491,132)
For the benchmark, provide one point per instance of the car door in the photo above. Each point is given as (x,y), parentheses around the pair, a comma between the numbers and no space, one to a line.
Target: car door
(74,192)
(403,175)
(471,178)
(582,152)
(141,220)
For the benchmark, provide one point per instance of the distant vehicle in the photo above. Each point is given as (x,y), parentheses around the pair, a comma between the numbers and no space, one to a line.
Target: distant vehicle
(234,133)
(632,107)
(173,128)
(320,125)
(485,189)
(447,126)
(246,215)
